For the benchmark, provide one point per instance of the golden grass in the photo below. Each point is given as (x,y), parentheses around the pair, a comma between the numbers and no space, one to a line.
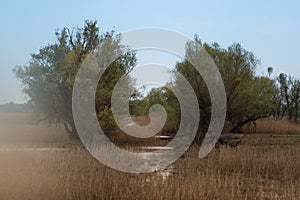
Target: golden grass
(254,170)
(243,173)
(273,126)
(17,129)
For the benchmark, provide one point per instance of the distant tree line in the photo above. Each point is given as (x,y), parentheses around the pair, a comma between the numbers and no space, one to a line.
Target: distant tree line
(15,108)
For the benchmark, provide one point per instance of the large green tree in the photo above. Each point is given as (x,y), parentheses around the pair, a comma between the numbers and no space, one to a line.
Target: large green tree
(49,77)
(249,97)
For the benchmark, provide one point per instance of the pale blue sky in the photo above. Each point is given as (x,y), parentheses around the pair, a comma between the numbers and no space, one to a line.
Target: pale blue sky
(271,29)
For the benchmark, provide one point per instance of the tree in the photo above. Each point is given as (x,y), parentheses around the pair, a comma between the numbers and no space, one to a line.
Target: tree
(252,102)
(285,94)
(49,77)
(296,99)
(248,96)
(270,71)
(288,97)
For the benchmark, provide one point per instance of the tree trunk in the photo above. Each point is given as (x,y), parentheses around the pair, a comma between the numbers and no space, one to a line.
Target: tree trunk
(238,127)
(71,131)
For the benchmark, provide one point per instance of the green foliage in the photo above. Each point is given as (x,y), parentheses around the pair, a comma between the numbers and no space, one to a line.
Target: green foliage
(49,77)
(252,100)
(138,105)
(248,97)
(168,100)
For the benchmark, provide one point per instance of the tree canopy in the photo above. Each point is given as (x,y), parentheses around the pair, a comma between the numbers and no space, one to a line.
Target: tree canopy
(49,77)
(249,97)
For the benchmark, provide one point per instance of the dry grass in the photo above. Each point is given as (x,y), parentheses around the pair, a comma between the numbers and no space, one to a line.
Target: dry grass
(244,173)
(17,129)
(251,171)
(273,126)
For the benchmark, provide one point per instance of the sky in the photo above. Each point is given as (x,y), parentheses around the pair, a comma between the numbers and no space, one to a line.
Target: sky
(270,29)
